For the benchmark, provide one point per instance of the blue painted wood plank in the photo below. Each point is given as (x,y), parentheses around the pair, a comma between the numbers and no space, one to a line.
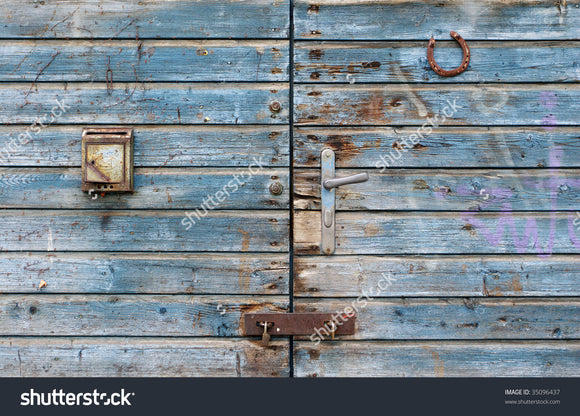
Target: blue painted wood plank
(538,233)
(457,104)
(191,146)
(143,103)
(159,188)
(116,231)
(411,19)
(436,276)
(406,62)
(454,319)
(141,357)
(445,147)
(176,60)
(456,190)
(179,19)
(127,315)
(167,273)
(438,359)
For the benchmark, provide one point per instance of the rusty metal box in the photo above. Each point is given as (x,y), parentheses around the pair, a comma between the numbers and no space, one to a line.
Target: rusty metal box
(107,159)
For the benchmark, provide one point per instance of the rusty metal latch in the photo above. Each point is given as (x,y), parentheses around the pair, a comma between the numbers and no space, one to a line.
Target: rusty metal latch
(107,160)
(442,72)
(328,199)
(268,325)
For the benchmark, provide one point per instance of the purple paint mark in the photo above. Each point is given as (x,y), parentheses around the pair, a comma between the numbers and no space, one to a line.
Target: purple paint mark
(442,193)
(494,237)
(506,220)
(549,122)
(548,99)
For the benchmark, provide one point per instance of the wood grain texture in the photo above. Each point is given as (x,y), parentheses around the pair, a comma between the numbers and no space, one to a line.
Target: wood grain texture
(130,315)
(442,233)
(115,231)
(167,273)
(143,103)
(452,318)
(483,104)
(149,60)
(437,276)
(445,147)
(157,188)
(152,19)
(406,62)
(416,20)
(438,359)
(191,146)
(141,357)
(456,190)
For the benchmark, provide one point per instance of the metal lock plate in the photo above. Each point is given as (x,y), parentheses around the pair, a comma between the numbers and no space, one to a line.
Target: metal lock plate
(107,160)
(283,324)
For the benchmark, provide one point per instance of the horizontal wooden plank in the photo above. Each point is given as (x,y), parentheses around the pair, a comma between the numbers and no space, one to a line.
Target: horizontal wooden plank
(206,146)
(438,359)
(137,19)
(411,19)
(142,103)
(157,188)
(130,315)
(167,273)
(399,104)
(437,276)
(451,318)
(45,230)
(457,190)
(141,357)
(407,62)
(149,60)
(506,232)
(445,147)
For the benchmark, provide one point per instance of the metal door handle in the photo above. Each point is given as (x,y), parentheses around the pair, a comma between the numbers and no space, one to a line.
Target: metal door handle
(334,183)
(327,201)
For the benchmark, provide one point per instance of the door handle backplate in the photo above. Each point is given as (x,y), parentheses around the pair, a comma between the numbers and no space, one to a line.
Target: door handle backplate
(328,200)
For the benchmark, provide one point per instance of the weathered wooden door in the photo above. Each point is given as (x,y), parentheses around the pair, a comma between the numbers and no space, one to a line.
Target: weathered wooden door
(459,255)
(461,251)
(152,283)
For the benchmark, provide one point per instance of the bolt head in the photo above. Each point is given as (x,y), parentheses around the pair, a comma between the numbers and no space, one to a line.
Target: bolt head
(275,106)
(276,188)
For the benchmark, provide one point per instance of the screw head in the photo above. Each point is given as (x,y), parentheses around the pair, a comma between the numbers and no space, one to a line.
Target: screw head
(276,188)
(275,106)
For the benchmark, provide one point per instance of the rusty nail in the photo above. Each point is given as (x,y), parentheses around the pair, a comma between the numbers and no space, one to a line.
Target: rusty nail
(275,106)
(276,188)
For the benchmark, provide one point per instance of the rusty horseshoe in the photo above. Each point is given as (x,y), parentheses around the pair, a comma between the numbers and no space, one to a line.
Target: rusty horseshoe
(453,72)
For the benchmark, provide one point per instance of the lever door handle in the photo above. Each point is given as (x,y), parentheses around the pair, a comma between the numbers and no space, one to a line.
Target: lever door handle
(328,200)
(348,180)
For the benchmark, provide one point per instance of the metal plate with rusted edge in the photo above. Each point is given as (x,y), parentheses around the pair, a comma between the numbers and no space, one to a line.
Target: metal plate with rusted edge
(107,160)
(296,323)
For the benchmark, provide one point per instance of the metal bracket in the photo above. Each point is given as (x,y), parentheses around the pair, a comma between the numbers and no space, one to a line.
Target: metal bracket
(328,199)
(298,323)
